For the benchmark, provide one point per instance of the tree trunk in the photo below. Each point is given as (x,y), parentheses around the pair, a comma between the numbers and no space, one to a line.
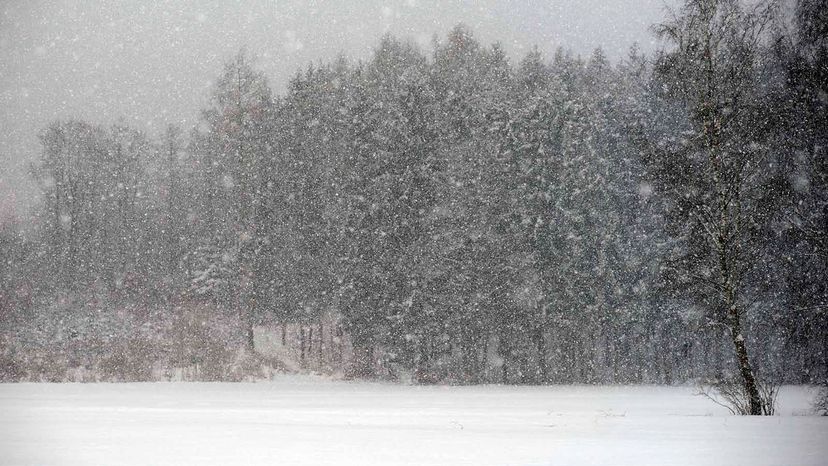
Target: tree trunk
(251,345)
(301,343)
(321,341)
(484,364)
(247,321)
(748,379)
(504,353)
(423,368)
(729,260)
(543,366)
(340,346)
(471,360)
(247,306)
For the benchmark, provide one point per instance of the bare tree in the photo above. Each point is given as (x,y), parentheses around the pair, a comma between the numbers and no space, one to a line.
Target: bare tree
(714,183)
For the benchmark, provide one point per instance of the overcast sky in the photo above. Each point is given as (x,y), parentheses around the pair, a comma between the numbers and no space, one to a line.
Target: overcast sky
(152,63)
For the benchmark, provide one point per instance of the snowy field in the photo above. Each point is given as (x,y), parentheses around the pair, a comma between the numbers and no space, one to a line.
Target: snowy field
(302,421)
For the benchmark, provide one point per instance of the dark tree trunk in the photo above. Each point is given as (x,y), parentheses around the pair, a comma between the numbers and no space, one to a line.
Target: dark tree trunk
(247,320)
(251,345)
(321,341)
(423,371)
(748,379)
(301,343)
(504,353)
(543,366)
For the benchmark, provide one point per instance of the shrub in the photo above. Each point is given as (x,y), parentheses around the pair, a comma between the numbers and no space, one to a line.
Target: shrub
(731,394)
(129,361)
(10,370)
(821,401)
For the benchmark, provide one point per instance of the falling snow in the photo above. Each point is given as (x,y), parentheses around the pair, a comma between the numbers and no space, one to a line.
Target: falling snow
(483,213)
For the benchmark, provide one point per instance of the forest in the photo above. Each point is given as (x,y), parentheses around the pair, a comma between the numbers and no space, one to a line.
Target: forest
(452,216)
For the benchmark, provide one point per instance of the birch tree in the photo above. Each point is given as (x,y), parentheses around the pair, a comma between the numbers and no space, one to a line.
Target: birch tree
(711,172)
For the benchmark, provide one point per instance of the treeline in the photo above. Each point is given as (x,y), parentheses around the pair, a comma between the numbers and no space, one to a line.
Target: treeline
(554,220)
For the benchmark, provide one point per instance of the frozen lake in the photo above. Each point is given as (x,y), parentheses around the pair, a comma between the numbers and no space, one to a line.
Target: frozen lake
(304,421)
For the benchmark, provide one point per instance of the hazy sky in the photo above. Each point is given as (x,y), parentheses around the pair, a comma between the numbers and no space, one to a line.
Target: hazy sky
(152,63)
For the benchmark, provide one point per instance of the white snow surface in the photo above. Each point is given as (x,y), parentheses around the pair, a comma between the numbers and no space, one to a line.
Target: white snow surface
(308,421)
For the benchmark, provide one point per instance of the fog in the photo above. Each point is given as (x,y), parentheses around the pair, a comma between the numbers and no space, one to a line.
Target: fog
(150,64)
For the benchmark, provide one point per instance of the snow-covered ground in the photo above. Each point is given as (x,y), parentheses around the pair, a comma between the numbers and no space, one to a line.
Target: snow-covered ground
(304,421)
